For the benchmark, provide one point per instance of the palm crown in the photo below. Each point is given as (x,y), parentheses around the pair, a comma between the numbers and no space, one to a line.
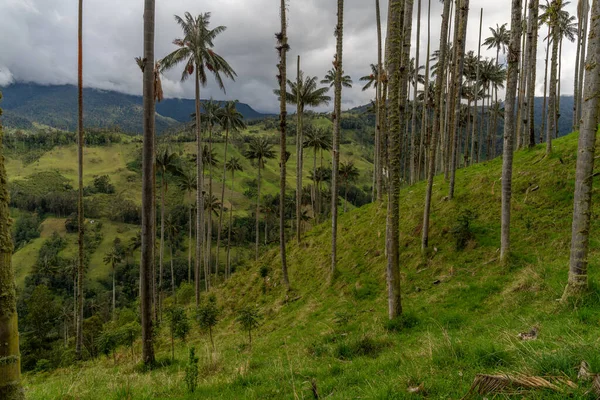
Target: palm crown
(310,94)
(329,79)
(195,50)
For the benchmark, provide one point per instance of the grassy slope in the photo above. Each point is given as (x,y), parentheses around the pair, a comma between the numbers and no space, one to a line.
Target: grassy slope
(468,308)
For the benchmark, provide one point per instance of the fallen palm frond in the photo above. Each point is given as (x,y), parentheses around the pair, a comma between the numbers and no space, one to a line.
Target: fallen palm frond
(490,384)
(596,386)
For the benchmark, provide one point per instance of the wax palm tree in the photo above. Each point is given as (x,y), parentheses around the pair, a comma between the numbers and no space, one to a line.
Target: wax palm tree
(259,150)
(348,173)
(10,378)
(329,79)
(113,258)
(371,79)
(304,93)
(187,184)
(231,120)
(317,139)
(195,50)
(172,231)
(80,216)
(499,39)
(233,166)
(148,236)
(167,162)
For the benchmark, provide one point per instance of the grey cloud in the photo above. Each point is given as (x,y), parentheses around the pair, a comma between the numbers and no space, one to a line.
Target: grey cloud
(38,42)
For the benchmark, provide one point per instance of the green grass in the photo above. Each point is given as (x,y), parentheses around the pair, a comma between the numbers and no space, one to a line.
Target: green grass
(463,309)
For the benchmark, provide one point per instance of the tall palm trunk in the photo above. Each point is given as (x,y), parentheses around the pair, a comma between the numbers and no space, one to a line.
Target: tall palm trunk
(172,271)
(161,255)
(257,210)
(558,87)
(148,158)
(209,220)
(424,144)
(299,155)
(190,246)
(114,291)
(199,199)
(521,104)
(584,12)
(413,130)
(494,132)
(474,136)
(437,115)
(459,67)
(228,272)
(582,202)
(509,125)
(222,198)
(551,130)
(80,218)
(378,168)
(282,139)
(533,39)
(10,358)
(544,109)
(337,117)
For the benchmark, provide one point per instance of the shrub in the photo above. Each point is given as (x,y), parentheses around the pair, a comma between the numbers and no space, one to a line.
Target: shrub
(462,230)
(191,371)
(208,316)
(249,319)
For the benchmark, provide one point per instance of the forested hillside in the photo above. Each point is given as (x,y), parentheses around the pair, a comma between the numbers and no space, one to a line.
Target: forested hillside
(55,106)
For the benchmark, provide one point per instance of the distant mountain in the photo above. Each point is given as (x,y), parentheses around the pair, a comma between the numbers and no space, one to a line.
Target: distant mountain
(565,122)
(56,106)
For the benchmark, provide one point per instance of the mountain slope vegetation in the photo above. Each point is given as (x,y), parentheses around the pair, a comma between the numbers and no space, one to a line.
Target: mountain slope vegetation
(463,310)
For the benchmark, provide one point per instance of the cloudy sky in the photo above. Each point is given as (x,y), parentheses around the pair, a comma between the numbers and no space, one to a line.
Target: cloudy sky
(38,42)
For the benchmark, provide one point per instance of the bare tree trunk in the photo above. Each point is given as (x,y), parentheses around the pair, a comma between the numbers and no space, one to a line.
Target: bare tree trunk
(413,130)
(424,144)
(585,10)
(474,136)
(437,114)
(575,125)
(162,242)
(514,50)
(190,246)
(463,12)
(544,109)
(229,230)
(209,219)
(80,217)
(533,39)
(337,117)
(114,292)
(199,199)
(582,202)
(378,168)
(222,199)
(147,253)
(10,358)
(521,106)
(258,210)
(172,273)
(551,131)
(394,52)
(283,155)
(299,157)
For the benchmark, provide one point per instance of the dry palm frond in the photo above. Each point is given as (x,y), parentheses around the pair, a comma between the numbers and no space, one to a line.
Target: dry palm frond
(488,384)
(140,62)
(596,386)
(584,372)
(531,335)
(417,389)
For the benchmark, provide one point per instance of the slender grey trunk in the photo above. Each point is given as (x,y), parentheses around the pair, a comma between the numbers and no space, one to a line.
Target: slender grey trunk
(474,138)
(222,197)
(514,53)
(439,99)
(544,109)
(551,130)
(413,130)
(199,199)
(585,12)
(533,39)
(299,155)
(582,202)
(80,217)
(463,13)
(148,158)
(337,117)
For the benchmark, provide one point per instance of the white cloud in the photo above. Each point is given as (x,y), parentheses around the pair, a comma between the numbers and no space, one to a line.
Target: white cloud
(38,42)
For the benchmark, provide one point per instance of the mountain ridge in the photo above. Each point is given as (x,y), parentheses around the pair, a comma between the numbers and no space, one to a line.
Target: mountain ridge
(56,106)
